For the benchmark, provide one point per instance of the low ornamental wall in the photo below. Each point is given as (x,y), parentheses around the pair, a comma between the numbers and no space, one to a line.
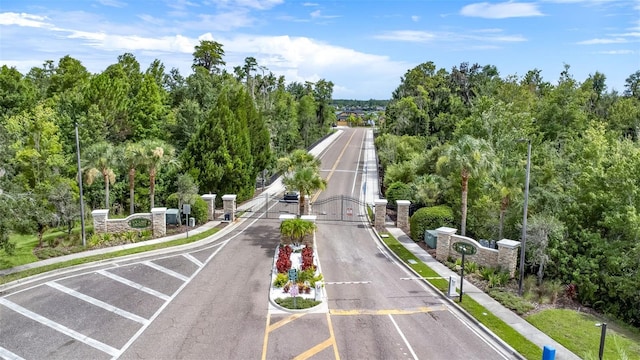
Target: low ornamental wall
(154,221)
(505,257)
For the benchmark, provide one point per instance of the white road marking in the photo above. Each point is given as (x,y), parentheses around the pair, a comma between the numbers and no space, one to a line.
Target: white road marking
(166,271)
(60,328)
(98,303)
(193,259)
(6,354)
(133,284)
(403,338)
(346,282)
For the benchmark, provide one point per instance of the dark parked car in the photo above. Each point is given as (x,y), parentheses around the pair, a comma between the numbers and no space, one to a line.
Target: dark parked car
(292,196)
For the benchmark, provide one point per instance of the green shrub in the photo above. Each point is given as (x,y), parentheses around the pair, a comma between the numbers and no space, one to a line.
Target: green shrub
(470,267)
(486,272)
(301,303)
(281,280)
(199,209)
(512,301)
(172,201)
(398,191)
(498,279)
(429,218)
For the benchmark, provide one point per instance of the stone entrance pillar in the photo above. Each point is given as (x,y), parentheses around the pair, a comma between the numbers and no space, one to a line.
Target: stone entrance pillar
(100,217)
(380,214)
(159,221)
(444,242)
(229,207)
(402,221)
(210,199)
(508,255)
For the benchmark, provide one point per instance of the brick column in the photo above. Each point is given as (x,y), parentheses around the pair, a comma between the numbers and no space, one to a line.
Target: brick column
(402,220)
(508,255)
(100,217)
(229,207)
(210,199)
(159,221)
(444,242)
(380,214)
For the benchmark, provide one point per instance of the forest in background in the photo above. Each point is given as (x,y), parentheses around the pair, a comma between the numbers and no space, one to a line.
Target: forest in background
(144,135)
(459,138)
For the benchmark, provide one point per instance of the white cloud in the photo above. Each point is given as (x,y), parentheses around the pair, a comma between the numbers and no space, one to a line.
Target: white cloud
(415,18)
(617,52)
(486,35)
(23,19)
(500,10)
(113,3)
(603,41)
(407,35)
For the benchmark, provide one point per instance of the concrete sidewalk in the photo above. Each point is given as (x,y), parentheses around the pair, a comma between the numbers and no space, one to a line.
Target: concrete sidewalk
(516,322)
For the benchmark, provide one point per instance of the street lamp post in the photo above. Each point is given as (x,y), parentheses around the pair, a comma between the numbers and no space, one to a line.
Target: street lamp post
(84,238)
(524,217)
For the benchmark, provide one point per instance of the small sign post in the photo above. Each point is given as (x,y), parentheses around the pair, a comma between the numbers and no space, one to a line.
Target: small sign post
(464,249)
(186,210)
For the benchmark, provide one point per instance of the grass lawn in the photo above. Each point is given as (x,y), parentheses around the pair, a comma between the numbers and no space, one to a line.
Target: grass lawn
(578,333)
(23,253)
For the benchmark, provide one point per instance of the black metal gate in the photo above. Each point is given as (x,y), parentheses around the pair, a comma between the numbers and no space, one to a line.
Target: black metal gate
(339,208)
(268,206)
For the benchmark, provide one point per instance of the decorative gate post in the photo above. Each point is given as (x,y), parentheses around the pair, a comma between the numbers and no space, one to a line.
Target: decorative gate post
(210,199)
(159,221)
(402,221)
(380,214)
(229,207)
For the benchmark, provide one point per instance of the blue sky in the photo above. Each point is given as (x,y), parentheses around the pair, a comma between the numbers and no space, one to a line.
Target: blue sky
(363,47)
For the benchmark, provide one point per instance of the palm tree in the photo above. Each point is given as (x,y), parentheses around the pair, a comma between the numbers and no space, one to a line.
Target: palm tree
(156,154)
(471,156)
(132,159)
(306,181)
(301,172)
(508,185)
(100,160)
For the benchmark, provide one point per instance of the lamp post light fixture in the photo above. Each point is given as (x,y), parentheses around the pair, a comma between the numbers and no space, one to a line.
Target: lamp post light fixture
(84,238)
(524,216)
(603,334)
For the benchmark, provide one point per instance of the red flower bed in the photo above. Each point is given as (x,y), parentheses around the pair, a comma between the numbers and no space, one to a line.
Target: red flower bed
(283,264)
(307,258)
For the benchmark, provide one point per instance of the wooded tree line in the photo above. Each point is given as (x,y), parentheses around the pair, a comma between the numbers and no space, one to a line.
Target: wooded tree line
(459,138)
(140,130)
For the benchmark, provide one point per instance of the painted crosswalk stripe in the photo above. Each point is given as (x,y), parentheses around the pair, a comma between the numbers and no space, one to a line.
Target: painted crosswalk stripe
(135,285)
(98,303)
(346,282)
(193,259)
(60,328)
(6,354)
(166,271)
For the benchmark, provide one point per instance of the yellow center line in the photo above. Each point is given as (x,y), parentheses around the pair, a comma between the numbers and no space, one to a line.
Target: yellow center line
(386,311)
(332,337)
(335,165)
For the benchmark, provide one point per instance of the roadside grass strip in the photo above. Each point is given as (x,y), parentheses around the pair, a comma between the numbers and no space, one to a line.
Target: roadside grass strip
(42,269)
(578,333)
(520,343)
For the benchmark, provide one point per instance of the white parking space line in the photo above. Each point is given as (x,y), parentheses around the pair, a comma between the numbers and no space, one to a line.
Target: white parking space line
(6,354)
(98,303)
(60,328)
(134,285)
(406,342)
(166,271)
(193,259)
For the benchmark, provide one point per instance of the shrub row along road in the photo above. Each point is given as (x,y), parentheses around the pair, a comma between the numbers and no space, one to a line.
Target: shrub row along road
(211,300)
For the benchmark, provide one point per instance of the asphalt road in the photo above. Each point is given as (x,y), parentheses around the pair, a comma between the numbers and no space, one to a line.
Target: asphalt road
(210,301)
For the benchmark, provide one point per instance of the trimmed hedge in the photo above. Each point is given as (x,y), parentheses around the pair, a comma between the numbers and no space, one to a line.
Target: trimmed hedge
(429,218)
(398,191)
